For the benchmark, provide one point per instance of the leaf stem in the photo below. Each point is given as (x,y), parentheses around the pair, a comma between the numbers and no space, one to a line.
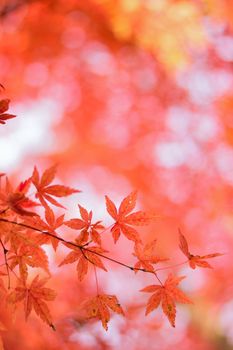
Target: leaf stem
(158,279)
(171,266)
(106,229)
(96,280)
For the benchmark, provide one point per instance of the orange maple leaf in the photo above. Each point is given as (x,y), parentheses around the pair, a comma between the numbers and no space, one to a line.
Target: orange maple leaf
(195,260)
(99,307)
(167,295)
(45,191)
(4,106)
(124,220)
(27,255)
(87,228)
(34,296)
(51,225)
(84,257)
(146,256)
(16,236)
(16,200)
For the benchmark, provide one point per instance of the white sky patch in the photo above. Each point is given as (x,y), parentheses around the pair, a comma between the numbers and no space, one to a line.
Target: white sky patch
(207,128)
(87,335)
(29,133)
(127,286)
(170,154)
(173,154)
(204,86)
(88,198)
(84,336)
(177,194)
(179,120)
(99,59)
(194,281)
(182,123)
(223,159)
(224,48)
(226,320)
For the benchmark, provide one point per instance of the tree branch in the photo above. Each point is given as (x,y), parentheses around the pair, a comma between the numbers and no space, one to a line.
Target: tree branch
(81,247)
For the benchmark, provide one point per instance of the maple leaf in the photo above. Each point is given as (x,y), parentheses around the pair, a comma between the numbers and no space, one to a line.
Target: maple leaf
(25,256)
(50,226)
(146,256)
(17,200)
(167,295)
(99,307)
(195,260)
(84,256)
(34,297)
(17,235)
(45,191)
(124,220)
(4,106)
(87,228)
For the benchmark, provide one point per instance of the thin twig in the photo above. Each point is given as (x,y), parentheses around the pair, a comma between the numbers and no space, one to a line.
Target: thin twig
(4,210)
(5,251)
(14,273)
(96,280)
(81,247)
(171,266)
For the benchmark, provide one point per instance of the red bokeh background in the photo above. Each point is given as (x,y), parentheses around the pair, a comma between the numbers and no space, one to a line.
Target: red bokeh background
(124,95)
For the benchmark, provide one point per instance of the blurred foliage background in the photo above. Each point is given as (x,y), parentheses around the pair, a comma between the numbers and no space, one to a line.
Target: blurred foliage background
(128,94)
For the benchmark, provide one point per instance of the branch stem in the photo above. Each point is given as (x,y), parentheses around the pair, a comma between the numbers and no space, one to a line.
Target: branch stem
(81,247)
(5,251)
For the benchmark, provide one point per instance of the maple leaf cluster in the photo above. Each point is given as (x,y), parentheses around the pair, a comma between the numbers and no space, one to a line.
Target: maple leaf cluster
(24,232)
(127,78)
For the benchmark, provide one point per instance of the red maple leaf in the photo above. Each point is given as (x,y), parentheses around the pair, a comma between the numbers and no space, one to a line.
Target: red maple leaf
(4,106)
(51,225)
(146,256)
(16,200)
(34,297)
(195,260)
(84,257)
(99,307)
(28,255)
(87,228)
(124,220)
(167,295)
(45,191)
